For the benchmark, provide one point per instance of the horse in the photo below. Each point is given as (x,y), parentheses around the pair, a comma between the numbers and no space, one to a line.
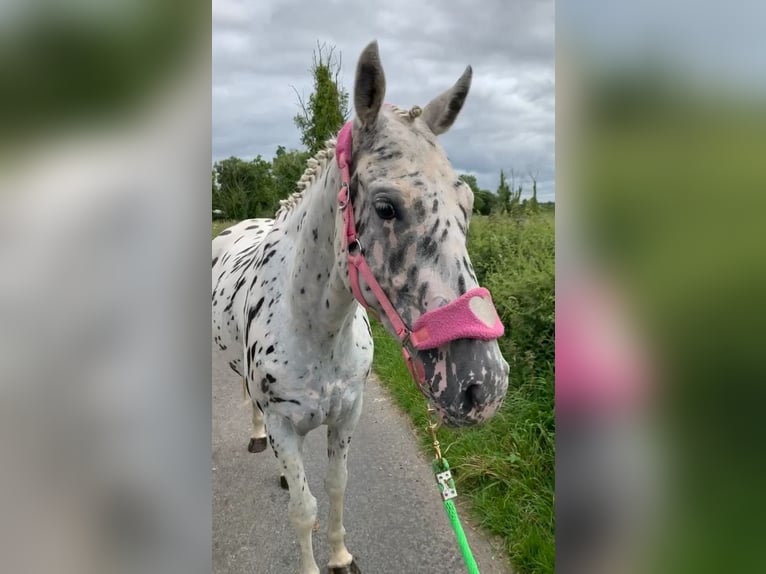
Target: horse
(378,224)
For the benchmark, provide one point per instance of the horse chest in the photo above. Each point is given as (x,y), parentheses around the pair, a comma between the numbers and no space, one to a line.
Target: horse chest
(309,390)
(305,377)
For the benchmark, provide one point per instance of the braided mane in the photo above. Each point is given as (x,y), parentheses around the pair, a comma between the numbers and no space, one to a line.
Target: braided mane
(314,166)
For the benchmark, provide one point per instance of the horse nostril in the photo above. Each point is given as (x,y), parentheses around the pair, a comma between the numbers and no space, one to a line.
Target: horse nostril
(474,396)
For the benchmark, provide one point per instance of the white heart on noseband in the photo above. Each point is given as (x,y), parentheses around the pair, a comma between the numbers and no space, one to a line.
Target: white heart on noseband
(483,310)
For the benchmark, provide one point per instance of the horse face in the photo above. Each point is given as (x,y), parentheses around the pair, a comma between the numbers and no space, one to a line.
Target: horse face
(412,214)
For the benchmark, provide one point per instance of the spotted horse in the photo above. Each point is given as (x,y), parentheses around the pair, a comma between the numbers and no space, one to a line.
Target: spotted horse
(378,225)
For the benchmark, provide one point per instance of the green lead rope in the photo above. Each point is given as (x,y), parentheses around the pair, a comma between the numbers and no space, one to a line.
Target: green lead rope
(447,488)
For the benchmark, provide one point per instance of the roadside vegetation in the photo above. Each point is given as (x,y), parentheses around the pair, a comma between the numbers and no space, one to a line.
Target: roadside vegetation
(505,467)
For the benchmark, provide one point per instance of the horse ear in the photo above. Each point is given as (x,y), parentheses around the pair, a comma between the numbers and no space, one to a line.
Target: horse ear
(369,85)
(440,113)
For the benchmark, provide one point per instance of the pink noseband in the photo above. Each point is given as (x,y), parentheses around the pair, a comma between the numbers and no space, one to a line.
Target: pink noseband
(470,316)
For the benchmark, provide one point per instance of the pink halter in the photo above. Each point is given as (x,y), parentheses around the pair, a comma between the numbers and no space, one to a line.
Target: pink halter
(470,316)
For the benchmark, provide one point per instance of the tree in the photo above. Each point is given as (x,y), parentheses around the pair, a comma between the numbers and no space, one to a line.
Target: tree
(484,201)
(470,180)
(533,205)
(230,180)
(478,200)
(503,194)
(487,202)
(509,196)
(327,108)
(478,203)
(286,169)
(244,188)
(516,199)
(263,199)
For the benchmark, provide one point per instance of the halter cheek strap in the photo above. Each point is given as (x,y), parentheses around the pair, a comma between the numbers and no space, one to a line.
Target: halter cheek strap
(470,316)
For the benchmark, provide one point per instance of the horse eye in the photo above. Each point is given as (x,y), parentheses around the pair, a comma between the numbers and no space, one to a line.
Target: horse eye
(385,210)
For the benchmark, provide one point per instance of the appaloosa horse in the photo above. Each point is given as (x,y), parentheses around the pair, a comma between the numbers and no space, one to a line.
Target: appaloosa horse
(290,295)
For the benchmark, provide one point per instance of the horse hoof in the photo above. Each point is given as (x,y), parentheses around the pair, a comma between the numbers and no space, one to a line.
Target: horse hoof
(350,569)
(257,445)
(283,483)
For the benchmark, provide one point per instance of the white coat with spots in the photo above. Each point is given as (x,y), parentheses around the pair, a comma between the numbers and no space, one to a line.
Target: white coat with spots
(285,317)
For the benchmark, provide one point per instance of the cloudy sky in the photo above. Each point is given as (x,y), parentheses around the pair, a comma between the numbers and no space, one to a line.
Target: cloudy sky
(262,48)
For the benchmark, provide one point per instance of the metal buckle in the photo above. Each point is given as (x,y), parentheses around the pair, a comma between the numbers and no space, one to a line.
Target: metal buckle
(407,344)
(355,247)
(431,427)
(344,203)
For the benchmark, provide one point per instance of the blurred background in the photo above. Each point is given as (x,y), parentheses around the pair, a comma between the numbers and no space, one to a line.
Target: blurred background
(104,177)
(104,363)
(661,141)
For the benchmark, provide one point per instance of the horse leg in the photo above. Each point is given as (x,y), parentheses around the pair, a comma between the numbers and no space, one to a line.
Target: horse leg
(302,508)
(258,438)
(338,439)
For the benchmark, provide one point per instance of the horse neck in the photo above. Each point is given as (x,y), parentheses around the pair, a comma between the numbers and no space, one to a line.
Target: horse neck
(318,287)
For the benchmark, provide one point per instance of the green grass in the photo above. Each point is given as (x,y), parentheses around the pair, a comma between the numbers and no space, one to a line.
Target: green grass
(505,468)
(221,224)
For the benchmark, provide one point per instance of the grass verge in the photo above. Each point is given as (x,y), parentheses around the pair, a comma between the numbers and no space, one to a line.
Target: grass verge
(221,224)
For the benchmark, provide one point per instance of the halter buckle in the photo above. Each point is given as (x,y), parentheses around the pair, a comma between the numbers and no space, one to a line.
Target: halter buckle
(355,247)
(407,344)
(343,203)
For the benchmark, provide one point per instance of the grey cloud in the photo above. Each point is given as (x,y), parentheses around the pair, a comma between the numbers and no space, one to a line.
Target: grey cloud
(262,49)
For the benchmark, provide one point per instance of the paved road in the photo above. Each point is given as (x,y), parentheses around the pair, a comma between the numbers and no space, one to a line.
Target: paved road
(394,518)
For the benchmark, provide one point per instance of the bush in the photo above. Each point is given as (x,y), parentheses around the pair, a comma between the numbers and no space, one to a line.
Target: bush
(515,259)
